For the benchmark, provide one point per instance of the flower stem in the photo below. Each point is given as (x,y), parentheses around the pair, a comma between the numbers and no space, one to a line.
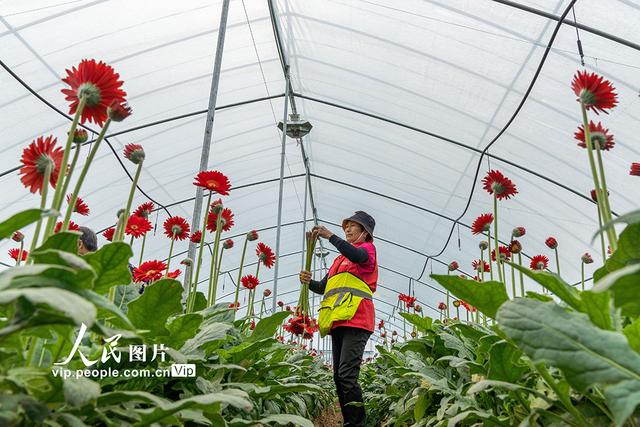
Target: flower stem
(602,245)
(74,161)
(489,257)
(448,295)
(83,174)
(43,204)
(261,307)
(62,175)
(582,275)
(192,292)
(20,252)
(513,282)
(244,251)
(144,240)
(173,239)
(132,192)
(217,275)
(495,232)
(482,265)
(605,200)
(214,259)
(594,173)
(521,276)
(557,260)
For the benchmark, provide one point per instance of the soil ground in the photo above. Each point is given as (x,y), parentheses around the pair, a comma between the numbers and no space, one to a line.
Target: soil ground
(330,417)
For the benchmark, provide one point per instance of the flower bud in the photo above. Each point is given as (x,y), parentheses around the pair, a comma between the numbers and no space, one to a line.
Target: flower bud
(252,235)
(266,292)
(118,111)
(483,245)
(519,232)
(280,304)
(134,153)
(413,334)
(418,308)
(80,136)
(186,261)
(515,247)
(586,258)
(17,236)
(217,206)
(442,306)
(228,244)
(457,303)
(551,242)
(453,266)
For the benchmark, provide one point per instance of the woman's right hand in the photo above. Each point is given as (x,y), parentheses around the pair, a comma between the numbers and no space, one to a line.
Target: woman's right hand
(305,277)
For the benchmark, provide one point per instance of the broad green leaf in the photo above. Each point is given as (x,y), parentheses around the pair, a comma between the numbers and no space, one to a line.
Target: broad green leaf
(422,323)
(623,284)
(596,306)
(80,391)
(124,295)
(485,296)
(82,276)
(105,306)
(219,312)
(111,264)
(275,420)
(182,327)
(32,274)
(71,305)
(585,354)
(539,297)
(209,332)
(421,406)
(159,301)
(67,242)
(12,405)
(628,252)
(555,284)
(268,326)
(20,220)
(632,332)
(491,384)
(201,302)
(504,362)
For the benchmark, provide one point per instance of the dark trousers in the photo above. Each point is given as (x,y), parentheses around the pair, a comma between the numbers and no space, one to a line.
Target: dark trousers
(348,348)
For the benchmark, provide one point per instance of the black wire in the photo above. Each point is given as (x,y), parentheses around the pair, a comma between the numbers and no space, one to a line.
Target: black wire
(504,129)
(578,41)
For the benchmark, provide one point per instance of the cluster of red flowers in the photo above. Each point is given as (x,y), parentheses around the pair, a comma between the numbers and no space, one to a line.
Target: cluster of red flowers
(301,326)
(408,300)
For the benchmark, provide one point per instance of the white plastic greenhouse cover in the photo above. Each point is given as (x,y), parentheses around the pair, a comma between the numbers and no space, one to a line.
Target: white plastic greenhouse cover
(403,96)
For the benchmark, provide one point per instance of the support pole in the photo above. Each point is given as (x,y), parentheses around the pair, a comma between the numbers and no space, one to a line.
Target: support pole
(280,191)
(208,133)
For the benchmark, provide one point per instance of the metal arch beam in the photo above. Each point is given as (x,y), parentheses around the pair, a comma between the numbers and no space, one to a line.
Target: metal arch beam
(565,21)
(445,139)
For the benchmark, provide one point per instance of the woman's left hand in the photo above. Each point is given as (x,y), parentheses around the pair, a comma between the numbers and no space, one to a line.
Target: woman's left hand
(322,231)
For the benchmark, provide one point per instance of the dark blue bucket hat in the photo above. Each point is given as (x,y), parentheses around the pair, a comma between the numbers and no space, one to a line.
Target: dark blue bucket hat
(364,219)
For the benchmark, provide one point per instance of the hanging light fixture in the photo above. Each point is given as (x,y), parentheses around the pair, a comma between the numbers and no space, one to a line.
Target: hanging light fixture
(296,128)
(321,252)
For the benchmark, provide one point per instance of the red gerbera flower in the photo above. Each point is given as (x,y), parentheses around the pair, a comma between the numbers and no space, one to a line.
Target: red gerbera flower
(149,271)
(35,158)
(81,207)
(144,210)
(118,111)
(496,182)
(250,281)
(72,226)
(477,265)
(14,252)
(595,92)
(519,232)
(635,169)
(551,242)
(134,153)
(176,227)
(137,226)
(539,262)
(409,301)
(442,306)
(108,233)
(453,266)
(174,274)
(99,83)
(505,254)
(226,222)
(482,223)
(196,236)
(213,181)
(599,135)
(266,255)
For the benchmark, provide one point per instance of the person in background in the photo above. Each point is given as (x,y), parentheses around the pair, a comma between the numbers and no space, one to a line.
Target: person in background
(356,268)
(88,241)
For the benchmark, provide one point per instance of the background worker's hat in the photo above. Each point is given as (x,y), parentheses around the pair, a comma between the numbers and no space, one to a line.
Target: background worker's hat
(364,219)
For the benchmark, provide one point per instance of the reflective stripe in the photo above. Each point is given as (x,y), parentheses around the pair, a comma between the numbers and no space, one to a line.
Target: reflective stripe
(345,289)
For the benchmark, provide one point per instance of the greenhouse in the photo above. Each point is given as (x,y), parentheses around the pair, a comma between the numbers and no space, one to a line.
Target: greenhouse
(320,213)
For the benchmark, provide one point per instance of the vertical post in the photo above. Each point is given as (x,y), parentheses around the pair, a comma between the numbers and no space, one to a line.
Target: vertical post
(304,220)
(208,133)
(281,187)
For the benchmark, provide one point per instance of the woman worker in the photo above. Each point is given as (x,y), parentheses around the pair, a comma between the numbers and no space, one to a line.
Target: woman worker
(347,311)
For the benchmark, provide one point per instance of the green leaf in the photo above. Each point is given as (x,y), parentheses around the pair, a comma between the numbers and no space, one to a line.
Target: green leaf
(19,221)
(219,312)
(554,283)
(484,296)
(30,273)
(632,332)
(421,406)
(586,355)
(624,285)
(105,306)
(111,264)
(67,242)
(159,301)
(491,384)
(124,295)
(71,305)
(268,326)
(82,276)
(596,306)
(80,391)
(182,327)
(209,332)
(628,252)
(422,323)
(539,297)
(201,302)
(504,362)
